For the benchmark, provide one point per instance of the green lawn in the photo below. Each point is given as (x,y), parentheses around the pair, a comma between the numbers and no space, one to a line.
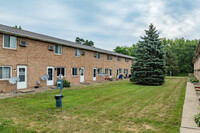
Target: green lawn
(117,106)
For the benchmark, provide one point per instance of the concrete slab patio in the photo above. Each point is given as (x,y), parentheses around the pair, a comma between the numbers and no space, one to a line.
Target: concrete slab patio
(190,108)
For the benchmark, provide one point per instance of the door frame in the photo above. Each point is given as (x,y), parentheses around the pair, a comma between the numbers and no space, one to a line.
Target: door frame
(82,76)
(18,83)
(117,75)
(110,73)
(94,78)
(50,82)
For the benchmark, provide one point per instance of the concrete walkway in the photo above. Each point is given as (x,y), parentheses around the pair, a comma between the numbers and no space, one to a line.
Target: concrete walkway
(190,108)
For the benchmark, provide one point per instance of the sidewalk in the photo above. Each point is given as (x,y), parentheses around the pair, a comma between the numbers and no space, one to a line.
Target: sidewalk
(190,108)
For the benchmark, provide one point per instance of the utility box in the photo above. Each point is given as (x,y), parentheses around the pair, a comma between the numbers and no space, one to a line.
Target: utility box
(58,101)
(59,84)
(59,97)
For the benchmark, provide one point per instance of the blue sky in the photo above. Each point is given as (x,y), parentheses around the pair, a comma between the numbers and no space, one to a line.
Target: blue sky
(109,23)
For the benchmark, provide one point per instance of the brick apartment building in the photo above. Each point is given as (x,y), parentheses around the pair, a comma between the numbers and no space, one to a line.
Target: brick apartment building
(196,62)
(29,55)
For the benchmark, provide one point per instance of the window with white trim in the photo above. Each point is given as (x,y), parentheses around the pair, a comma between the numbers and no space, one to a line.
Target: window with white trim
(108,57)
(60,70)
(126,60)
(126,71)
(99,70)
(9,42)
(77,52)
(58,49)
(5,72)
(106,71)
(119,58)
(74,71)
(120,70)
(98,56)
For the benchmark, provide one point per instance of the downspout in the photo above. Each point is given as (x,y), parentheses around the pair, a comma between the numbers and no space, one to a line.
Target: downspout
(114,67)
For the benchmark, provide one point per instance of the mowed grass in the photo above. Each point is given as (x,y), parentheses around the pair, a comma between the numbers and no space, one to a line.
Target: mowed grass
(118,106)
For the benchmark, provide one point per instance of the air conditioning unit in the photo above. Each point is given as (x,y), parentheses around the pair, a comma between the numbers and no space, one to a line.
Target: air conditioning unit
(82,52)
(51,48)
(23,43)
(95,54)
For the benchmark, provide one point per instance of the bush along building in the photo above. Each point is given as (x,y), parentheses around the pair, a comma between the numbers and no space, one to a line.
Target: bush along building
(196,62)
(29,55)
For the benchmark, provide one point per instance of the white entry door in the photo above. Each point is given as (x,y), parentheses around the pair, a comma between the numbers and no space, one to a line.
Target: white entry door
(50,72)
(94,74)
(82,74)
(22,74)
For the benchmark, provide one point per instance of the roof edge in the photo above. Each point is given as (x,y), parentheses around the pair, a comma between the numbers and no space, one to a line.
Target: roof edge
(41,37)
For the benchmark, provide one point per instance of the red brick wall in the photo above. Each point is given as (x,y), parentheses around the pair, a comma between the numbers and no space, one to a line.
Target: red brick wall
(37,57)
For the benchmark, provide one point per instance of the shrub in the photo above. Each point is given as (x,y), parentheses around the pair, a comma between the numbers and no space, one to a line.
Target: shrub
(66,83)
(193,79)
(110,79)
(197,119)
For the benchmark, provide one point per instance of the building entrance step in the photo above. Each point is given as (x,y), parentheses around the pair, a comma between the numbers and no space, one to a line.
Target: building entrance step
(52,87)
(26,90)
(85,83)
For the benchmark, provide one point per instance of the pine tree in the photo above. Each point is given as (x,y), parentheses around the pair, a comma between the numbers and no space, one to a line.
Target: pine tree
(149,66)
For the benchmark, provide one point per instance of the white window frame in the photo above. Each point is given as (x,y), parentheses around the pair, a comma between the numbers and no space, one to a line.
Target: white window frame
(99,56)
(77,71)
(55,50)
(108,57)
(126,60)
(60,68)
(120,70)
(107,71)
(119,59)
(125,70)
(9,47)
(10,72)
(76,55)
(98,71)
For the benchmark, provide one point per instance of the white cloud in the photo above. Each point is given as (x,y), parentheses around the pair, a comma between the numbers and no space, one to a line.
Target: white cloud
(107,23)
(152,11)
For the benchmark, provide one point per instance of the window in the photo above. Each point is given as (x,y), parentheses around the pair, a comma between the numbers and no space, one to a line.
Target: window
(126,60)
(60,70)
(98,55)
(9,42)
(74,71)
(58,49)
(108,57)
(126,71)
(106,71)
(77,52)
(119,58)
(99,70)
(120,70)
(5,72)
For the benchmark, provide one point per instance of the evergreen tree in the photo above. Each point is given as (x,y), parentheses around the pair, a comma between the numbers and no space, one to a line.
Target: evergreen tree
(149,66)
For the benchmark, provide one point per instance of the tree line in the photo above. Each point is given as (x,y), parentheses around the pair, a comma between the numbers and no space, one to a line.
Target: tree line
(178,54)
